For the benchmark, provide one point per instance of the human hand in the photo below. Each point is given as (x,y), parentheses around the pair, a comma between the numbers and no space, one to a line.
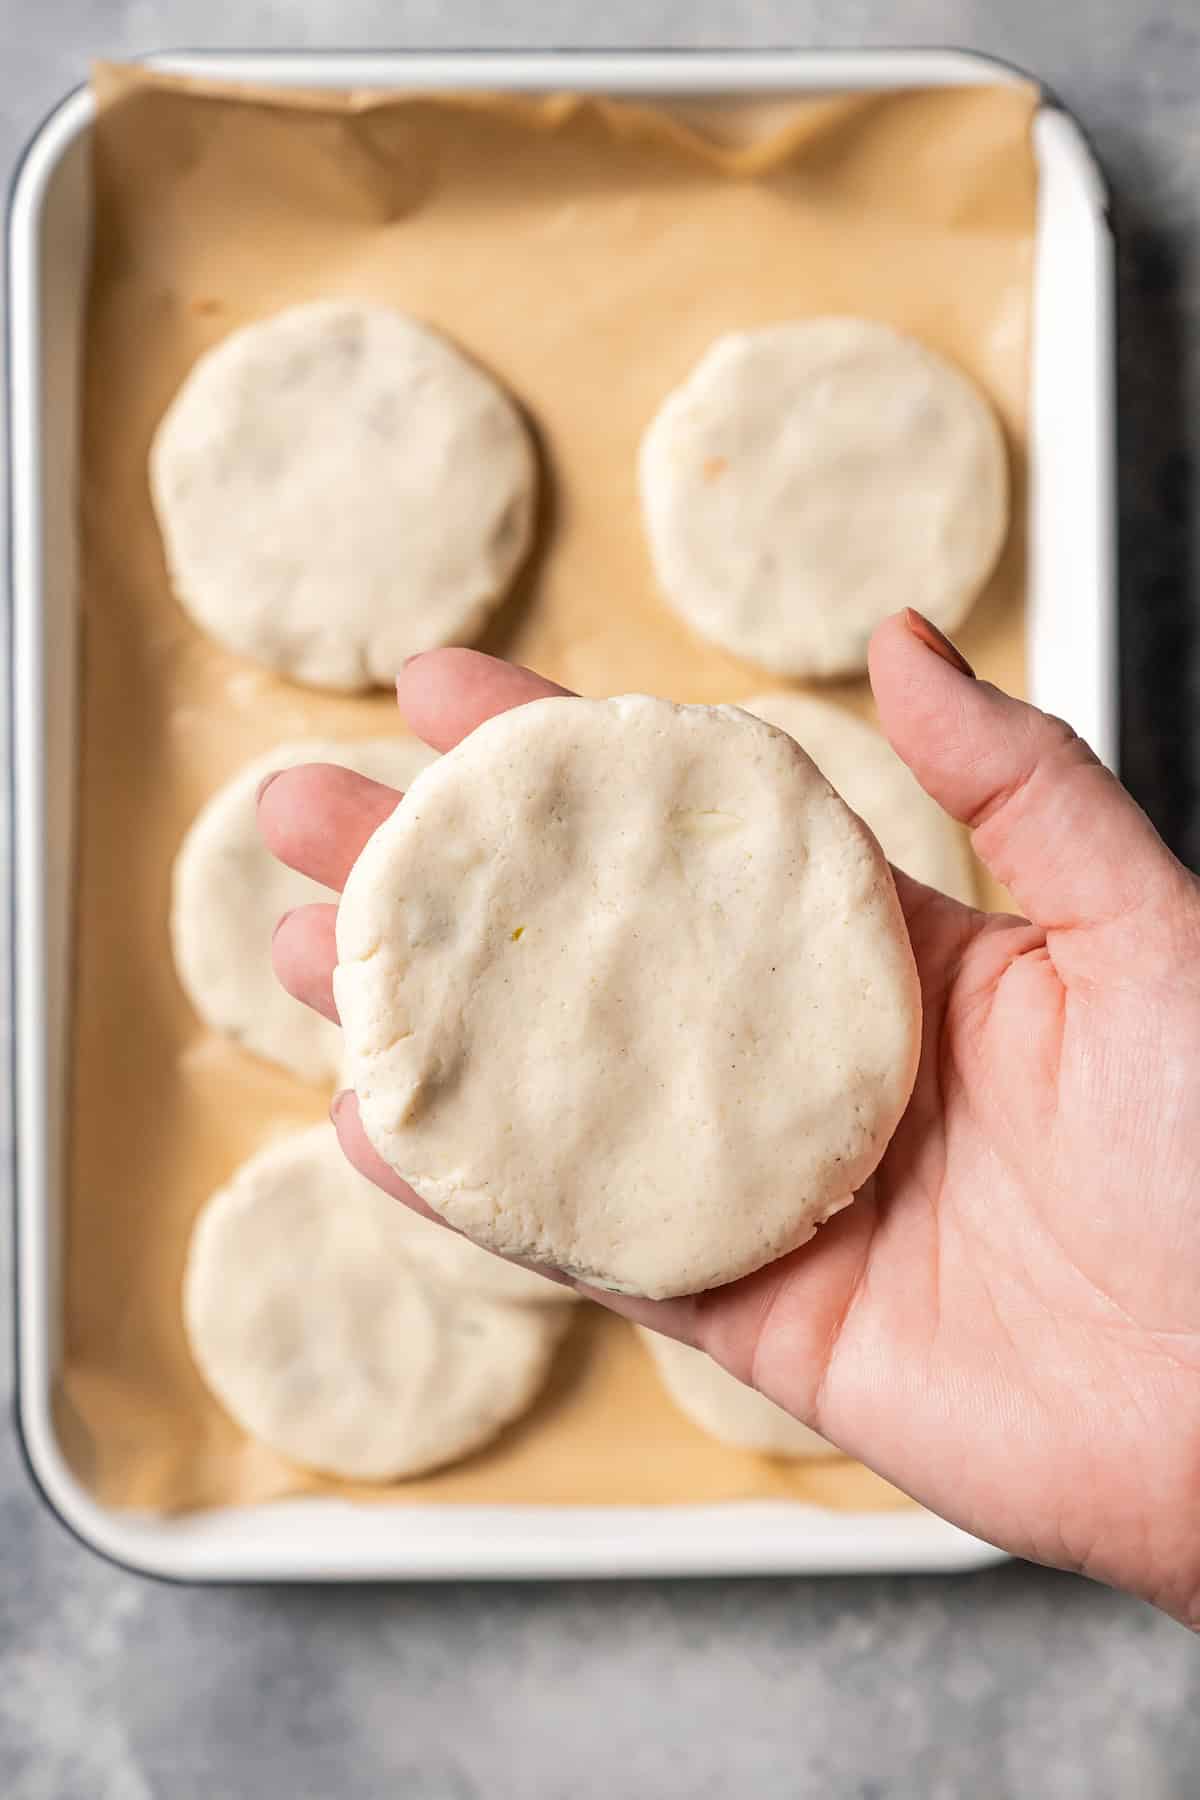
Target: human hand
(1006,1323)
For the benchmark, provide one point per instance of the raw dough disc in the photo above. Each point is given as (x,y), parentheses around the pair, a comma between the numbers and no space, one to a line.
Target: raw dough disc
(229,892)
(808,479)
(337,488)
(446,1255)
(442,1254)
(726,1408)
(321,1334)
(627,990)
(915,833)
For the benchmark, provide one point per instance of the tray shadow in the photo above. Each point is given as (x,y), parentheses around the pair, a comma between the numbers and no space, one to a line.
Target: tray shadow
(1157,496)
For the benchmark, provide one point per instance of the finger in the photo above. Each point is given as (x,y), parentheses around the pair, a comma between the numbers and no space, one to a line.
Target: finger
(304,954)
(317,817)
(357,1148)
(1051,823)
(444,694)
(931,916)
(353,1139)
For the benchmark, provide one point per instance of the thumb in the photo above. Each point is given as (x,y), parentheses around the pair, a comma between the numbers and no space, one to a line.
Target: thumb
(1050,822)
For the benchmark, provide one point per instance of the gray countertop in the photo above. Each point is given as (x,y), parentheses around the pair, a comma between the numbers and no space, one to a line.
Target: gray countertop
(1016,1682)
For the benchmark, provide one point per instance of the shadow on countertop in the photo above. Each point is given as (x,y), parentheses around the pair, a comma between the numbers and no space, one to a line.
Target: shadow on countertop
(1160,729)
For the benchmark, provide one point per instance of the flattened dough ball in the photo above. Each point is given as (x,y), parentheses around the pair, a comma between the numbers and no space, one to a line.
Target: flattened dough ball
(915,833)
(228,893)
(807,479)
(626,989)
(726,1408)
(338,488)
(447,1256)
(320,1333)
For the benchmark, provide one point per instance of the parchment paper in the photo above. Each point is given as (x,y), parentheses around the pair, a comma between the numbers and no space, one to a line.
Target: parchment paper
(587,253)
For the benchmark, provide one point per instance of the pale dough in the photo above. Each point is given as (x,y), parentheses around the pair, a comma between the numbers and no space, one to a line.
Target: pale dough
(915,833)
(338,488)
(726,1408)
(229,892)
(323,1336)
(447,1256)
(626,989)
(808,479)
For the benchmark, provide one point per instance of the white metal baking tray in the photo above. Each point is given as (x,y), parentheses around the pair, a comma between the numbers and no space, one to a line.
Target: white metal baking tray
(1071,669)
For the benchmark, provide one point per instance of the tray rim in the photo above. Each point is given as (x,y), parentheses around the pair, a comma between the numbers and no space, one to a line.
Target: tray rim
(465,1542)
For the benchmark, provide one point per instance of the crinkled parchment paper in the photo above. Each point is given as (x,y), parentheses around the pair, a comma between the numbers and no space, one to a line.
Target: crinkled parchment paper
(587,253)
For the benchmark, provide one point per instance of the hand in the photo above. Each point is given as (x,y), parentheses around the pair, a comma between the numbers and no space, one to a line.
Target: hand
(1006,1324)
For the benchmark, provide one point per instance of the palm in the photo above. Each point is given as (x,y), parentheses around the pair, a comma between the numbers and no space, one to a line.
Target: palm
(1006,1323)
(1003,1324)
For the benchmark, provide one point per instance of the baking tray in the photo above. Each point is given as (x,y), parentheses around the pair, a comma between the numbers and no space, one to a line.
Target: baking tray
(1071,659)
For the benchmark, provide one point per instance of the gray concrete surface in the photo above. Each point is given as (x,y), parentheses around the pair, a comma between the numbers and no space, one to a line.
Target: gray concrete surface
(1013,1683)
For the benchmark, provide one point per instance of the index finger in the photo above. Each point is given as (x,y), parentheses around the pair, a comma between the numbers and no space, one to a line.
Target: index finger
(445,694)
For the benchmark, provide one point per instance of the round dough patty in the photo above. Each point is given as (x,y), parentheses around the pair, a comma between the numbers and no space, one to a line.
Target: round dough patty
(445,1255)
(229,892)
(338,488)
(627,990)
(322,1335)
(915,833)
(808,479)
(726,1408)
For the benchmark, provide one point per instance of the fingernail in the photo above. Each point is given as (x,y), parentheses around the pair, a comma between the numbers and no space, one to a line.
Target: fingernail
(336,1102)
(928,634)
(281,921)
(415,657)
(265,783)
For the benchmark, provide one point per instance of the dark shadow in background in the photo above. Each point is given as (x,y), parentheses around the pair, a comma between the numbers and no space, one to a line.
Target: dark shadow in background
(1160,732)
